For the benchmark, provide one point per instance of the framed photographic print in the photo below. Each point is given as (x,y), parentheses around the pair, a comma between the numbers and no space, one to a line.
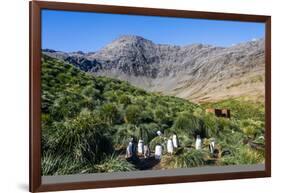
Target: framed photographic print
(123,96)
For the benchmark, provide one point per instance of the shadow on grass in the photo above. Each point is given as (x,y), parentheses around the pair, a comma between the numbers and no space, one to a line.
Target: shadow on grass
(142,163)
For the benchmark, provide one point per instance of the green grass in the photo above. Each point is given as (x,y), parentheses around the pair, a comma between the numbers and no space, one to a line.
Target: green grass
(114,164)
(241,156)
(86,119)
(190,158)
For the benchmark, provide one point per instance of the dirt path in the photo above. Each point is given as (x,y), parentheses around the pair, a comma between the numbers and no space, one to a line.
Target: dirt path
(147,163)
(142,163)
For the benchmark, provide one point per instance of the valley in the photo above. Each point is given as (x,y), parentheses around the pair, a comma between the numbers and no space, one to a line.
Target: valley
(197,72)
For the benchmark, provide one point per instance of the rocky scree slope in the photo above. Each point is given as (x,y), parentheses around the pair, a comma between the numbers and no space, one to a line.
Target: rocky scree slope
(200,73)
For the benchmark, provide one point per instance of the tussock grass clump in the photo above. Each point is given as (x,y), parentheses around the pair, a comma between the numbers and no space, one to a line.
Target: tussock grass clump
(84,138)
(189,158)
(243,155)
(190,124)
(114,164)
(59,165)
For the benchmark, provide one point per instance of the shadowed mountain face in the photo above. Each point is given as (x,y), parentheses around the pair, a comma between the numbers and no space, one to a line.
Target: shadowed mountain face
(200,73)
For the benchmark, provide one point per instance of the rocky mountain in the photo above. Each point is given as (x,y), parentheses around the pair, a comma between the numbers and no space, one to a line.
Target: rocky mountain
(200,73)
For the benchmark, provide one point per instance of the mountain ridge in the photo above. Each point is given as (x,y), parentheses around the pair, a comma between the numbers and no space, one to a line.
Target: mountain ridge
(198,72)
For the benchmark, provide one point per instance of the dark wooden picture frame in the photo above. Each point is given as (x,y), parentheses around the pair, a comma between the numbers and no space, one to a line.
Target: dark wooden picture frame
(35,94)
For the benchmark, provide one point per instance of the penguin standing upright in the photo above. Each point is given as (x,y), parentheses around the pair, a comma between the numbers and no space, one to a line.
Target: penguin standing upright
(158,152)
(175,141)
(140,147)
(146,151)
(170,146)
(198,142)
(131,148)
(159,133)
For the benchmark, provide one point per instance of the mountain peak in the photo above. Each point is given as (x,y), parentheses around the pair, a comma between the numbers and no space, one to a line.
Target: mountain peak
(126,45)
(131,39)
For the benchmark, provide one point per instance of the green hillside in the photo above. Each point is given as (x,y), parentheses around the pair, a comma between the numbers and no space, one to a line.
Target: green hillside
(88,120)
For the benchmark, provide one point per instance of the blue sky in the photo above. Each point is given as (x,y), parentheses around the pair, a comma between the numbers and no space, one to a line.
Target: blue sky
(82,31)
